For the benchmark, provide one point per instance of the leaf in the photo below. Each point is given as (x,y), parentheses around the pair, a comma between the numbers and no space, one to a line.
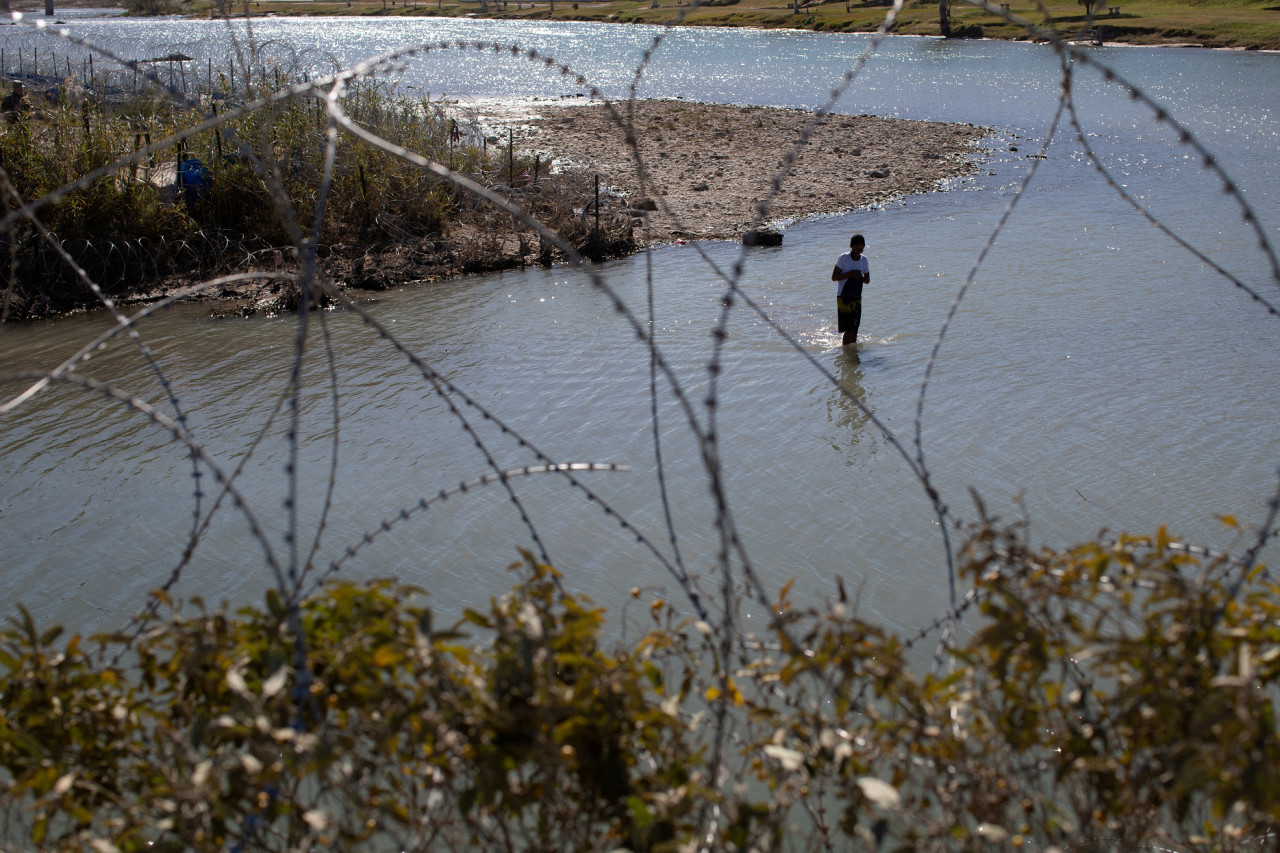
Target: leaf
(991,832)
(275,605)
(640,812)
(879,792)
(387,655)
(790,759)
(236,684)
(275,683)
(28,625)
(786,588)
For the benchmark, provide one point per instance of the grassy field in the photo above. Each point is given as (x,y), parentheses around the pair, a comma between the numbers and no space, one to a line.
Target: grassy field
(1250,25)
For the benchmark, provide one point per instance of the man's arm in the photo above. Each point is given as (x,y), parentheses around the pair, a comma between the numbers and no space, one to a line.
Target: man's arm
(838,274)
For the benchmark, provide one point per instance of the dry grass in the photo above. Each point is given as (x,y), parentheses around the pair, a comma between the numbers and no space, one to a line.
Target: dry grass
(1253,25)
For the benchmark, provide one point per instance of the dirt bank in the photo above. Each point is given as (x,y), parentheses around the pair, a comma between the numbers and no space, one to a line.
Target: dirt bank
(712,167)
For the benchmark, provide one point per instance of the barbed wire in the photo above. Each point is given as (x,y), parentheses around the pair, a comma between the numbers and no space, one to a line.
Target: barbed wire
(298,576)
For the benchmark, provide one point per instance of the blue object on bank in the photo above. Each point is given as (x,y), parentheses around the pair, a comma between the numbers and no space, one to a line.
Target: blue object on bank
(193,178)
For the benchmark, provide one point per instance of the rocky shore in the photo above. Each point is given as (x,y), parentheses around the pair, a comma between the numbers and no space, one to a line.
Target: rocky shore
(702,171)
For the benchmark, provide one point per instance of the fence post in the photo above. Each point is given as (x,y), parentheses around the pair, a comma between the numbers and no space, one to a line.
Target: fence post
(597,207)
(217,133)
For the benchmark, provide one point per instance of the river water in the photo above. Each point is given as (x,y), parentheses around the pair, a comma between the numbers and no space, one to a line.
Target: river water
(1095,376)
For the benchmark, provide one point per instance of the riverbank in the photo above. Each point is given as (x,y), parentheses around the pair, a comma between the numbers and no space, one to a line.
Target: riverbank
(707,168)
(705,172)
(1252,25)
(1248,25)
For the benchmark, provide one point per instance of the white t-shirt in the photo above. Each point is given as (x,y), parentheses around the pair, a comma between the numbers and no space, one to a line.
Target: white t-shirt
(845,263)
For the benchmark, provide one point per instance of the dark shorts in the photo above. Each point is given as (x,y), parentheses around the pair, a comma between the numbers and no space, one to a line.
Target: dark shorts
(849,314)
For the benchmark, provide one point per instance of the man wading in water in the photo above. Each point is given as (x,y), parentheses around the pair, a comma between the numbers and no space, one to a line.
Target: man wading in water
(851,272)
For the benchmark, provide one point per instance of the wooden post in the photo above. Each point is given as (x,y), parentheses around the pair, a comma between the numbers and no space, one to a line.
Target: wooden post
(48,8)
(597,207)
(217,133)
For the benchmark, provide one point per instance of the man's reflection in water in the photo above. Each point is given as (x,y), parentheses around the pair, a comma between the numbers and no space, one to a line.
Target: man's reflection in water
(849,421)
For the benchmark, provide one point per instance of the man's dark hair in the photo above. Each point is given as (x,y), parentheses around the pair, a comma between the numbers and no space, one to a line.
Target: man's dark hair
(855,239)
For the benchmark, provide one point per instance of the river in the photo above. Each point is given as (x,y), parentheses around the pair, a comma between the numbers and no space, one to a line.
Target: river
(1096,375)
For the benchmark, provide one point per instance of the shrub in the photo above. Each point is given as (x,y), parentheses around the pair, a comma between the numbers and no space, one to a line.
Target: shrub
(1117,694)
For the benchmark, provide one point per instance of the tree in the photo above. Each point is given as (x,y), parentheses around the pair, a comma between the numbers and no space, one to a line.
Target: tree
(1089,7)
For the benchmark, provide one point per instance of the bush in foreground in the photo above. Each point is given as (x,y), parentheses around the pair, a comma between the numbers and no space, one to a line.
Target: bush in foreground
(1111,696)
